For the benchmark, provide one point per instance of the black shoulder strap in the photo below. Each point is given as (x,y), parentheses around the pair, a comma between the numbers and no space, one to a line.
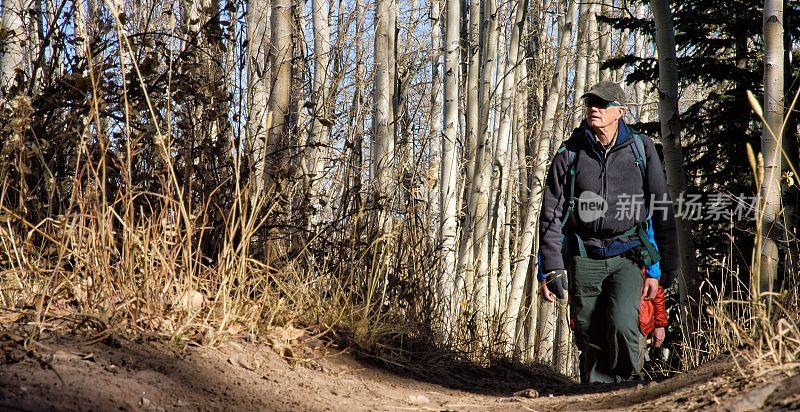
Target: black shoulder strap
(639,155)
(641,229)
(572,161)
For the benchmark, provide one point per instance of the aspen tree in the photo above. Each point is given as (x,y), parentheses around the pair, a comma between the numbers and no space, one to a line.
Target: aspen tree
(258,85)
(391,31)
(771,137)
(497,193)
(11,60)
(465,265)
(604,44)
(639,51)
(382,151)
(622,50)
(319,138)
(479,196)
(449,188)
(504,139)
(557,83)
(563,343)
(581,63)
(358,109)
(673,150)
(383,140)
(593,67)
(546,319)
(435,120)
(560,116)
(520,137)
(281,51)
(542,155)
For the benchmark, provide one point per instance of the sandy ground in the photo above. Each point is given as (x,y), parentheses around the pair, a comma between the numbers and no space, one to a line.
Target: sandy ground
(111,373)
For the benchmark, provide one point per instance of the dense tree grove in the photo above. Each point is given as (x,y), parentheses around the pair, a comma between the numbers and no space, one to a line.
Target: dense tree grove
(373,165)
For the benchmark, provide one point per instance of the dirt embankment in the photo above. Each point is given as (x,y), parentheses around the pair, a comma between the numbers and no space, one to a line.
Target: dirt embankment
(116,374)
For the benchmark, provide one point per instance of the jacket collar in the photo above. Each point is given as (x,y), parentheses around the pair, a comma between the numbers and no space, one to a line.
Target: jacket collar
(623,134)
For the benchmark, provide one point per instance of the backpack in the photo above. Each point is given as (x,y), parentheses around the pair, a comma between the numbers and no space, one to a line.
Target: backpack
(648,255)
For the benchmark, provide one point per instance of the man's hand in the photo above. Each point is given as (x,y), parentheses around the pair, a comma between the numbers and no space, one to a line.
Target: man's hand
(658,337)
(545,292)
(649,288)
(556,284)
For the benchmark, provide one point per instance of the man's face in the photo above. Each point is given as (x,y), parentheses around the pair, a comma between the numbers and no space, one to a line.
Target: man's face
(602,113)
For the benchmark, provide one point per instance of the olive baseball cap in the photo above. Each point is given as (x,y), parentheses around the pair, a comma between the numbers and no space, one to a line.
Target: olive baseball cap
(608,91)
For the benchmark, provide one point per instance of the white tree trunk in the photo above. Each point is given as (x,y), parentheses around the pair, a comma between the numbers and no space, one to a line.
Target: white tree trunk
(606,34)
(559,117)
(520,137)
(11,61)
(383,91)
(281,61)
(497,191)
(639,51)
(449,188)
(435,123)
(391,32)
(557,82)
(562,349)
(465,266)
(771,141)
(542,154)
(671,138)
(505,227)
(593,68)
(502,161)
(581,63)
(548,141)
(357,112)
(319,138)
(258,81)
(479,196)
(622,50)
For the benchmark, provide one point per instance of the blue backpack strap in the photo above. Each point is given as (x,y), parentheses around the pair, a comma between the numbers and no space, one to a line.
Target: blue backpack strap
(654,270)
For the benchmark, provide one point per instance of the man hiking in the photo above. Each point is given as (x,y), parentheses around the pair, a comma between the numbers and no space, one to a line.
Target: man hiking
(604,184)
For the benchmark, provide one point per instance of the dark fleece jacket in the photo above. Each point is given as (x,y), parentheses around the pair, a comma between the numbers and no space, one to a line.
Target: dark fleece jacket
(618,180)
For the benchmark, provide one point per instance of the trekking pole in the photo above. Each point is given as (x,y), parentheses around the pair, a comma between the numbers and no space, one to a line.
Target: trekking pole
(563,341)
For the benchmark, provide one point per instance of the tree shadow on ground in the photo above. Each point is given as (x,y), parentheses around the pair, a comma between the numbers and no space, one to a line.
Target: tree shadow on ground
(504,378)
(501,377)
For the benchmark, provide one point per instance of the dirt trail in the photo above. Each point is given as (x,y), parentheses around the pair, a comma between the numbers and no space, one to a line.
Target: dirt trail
(116,374)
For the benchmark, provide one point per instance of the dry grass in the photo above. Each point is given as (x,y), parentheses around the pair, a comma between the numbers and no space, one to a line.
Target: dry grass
(136,262)
(139,260)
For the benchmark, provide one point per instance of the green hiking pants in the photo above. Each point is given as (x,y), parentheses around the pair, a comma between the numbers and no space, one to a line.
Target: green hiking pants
(605,306)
